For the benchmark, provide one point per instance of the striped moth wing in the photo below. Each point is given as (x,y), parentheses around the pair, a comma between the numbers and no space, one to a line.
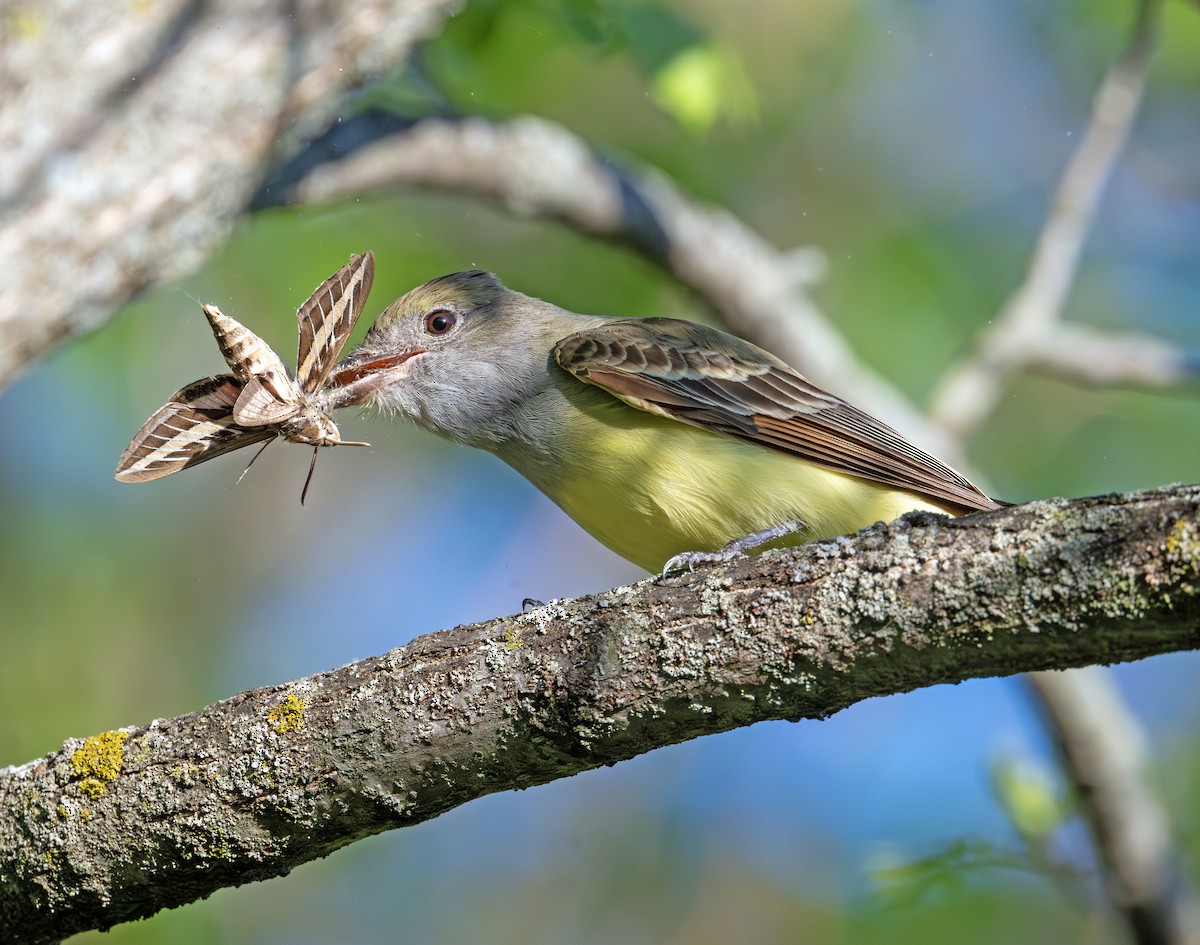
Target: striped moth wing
(195,425)
(328,317)
(268,394)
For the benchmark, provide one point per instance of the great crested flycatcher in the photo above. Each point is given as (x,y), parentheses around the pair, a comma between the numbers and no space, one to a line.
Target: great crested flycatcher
(670,442)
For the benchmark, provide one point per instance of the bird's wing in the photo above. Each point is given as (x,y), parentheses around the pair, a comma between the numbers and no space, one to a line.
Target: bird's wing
(717,382)
(327,319)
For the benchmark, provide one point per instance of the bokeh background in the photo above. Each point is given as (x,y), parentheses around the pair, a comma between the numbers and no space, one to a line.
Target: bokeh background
(915,144)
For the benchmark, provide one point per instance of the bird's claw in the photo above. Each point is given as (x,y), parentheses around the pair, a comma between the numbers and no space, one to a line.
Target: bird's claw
(688,560)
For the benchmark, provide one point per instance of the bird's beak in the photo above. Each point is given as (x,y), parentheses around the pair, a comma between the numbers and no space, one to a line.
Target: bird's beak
(360,375)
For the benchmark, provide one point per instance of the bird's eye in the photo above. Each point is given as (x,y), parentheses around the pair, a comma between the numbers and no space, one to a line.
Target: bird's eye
(439,322)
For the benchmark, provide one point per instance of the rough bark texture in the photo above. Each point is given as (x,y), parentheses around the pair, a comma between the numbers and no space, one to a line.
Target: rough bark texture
(129,822)
(134,135)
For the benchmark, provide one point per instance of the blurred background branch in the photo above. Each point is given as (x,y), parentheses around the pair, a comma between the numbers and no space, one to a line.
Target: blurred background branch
(1028,330)
(137,175)
(1104,749)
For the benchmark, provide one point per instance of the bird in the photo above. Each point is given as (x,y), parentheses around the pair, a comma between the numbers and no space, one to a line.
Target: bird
(673,443)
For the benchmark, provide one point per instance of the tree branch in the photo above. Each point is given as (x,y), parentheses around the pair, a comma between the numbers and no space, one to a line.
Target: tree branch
(153,816)
(1098,739)
(1087,355)
(137,175)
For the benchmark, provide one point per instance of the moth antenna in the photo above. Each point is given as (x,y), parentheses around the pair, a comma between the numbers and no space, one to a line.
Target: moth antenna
(308,479)
(253,458)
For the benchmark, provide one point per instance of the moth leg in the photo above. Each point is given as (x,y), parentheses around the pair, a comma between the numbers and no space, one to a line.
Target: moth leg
(308,479)
(689,559)
(253,458)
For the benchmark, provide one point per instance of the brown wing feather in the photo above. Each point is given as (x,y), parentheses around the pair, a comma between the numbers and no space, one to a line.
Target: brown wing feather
(712,380)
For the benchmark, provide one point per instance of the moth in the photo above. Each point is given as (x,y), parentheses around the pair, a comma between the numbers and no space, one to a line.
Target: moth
(260,400)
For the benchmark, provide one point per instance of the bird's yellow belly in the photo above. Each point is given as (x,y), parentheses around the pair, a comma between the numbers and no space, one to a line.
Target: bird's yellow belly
(650,487)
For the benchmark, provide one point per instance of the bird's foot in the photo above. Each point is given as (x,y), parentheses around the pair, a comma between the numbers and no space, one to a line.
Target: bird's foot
(688,560)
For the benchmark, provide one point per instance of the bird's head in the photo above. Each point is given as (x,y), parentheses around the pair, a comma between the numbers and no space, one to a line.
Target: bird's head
(453,354)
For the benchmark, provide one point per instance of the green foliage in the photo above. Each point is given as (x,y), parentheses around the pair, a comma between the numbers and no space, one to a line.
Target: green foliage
(493,46)
(903,884)
(1030,799)
(702,84)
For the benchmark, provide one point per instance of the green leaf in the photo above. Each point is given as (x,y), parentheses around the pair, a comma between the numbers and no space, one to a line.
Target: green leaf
(1029,797)
(705,83)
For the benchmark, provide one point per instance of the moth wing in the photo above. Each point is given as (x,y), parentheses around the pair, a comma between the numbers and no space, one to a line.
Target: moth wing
(211,393)
(178,436)
(247,355)
(266,399)
(328,317)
